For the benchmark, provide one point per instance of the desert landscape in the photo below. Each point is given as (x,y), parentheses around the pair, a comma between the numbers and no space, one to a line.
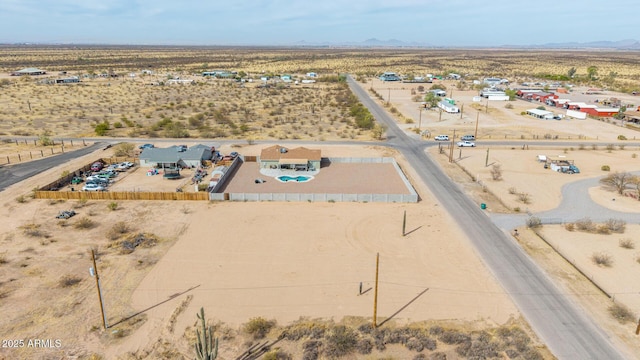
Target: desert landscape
(300,276)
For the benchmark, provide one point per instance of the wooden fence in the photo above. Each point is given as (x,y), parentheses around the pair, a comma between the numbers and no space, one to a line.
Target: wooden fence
(120,195)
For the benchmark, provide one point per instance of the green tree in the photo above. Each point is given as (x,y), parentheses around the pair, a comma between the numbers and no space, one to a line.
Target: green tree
(592,72)
(511,93)
(431,99)
(571,72)
(102,128)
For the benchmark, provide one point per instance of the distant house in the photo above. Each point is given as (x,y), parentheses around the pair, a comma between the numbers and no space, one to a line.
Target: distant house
(147,72)
(285,77)
(171,158)
(280,157)
(439,92)
(312,75)
(489,92)
(68,80)
(454,76)
(540,114)
(224,74)
(390,76)
(181,81)
(492,81)
(28,71)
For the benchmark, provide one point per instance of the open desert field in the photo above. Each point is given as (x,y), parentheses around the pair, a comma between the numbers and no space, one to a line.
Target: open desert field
(260,270)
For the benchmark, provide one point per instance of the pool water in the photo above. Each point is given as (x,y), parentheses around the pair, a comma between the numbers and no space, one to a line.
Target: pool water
(300,178)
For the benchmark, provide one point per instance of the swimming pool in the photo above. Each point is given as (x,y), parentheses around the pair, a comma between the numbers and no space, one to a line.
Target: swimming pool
(300,178)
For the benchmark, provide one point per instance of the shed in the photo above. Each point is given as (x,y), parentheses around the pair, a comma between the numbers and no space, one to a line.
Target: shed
(28,71)
(171,158)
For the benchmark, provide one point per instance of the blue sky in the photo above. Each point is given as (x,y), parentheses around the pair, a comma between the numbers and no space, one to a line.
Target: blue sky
(287,22)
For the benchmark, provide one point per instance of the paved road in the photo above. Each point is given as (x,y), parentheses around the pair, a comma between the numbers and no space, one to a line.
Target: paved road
(11,174)
(567,330)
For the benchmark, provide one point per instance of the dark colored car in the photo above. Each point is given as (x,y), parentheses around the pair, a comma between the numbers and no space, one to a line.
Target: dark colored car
(146,146)
(97,166)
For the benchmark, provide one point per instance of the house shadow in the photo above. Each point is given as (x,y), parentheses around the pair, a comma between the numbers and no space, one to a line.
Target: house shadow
(325,162)
(404,307)
(169,298)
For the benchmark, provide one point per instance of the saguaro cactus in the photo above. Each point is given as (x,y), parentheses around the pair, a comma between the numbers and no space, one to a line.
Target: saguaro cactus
(206,346)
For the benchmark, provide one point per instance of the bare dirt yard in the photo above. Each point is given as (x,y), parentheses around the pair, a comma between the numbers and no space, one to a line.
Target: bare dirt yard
(160,262)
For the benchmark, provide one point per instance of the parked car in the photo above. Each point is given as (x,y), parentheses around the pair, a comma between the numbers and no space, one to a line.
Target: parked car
(466,144)
(182,148)
(468,138)
(76,180)
(442,138)
(146,146)
(234,154)
(127,164)
(97,166)
(93,187)
(97,180)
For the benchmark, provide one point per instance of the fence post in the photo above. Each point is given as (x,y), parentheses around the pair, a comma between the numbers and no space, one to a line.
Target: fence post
(52,150)
(19,158)
(41,153)
(8,162)
(30,155)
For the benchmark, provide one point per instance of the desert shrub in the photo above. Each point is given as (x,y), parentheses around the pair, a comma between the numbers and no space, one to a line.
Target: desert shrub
(34,230)
(534,222)
(603,229)
(420,357)
(80,203)
(594,147)
(341,340)
(438,356)
(311,350)
(3,259)
(21,199)
(259,327)
(364,346)
(496,172)
(531,354)
(305,329)
(436,330)
(569,226)
(277,354)
(451,337)
(602,259)
(524,197)
(627,243)
(616,225)
(605,168)
(69,280)
(84,223)
(585,224)
(508,106)
(621,313)
(117,230)
(113,206)
(622,137)
(124,149)
(609,147)
(634,155)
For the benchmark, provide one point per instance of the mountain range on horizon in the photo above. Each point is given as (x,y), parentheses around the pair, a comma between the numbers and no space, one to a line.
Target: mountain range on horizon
(626,44)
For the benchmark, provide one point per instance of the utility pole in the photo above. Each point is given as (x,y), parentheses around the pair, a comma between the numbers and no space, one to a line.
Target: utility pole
(420,122)
(389,97)
(486,160)
(94,272)
(453,139)
(461,110)
(440,116)
(476,133)
(375,294)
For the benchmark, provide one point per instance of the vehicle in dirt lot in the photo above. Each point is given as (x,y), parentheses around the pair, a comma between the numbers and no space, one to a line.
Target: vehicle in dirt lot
(93,187)
(468,138)
(97,166)
(466,144)
(441,138)
(77,180)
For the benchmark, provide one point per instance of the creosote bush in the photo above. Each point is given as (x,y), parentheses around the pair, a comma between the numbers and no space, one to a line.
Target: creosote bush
(84,223)
(627,243)
(602,259)
(534,222)
(113,206)
(621,313)
(259,327)
(69,280)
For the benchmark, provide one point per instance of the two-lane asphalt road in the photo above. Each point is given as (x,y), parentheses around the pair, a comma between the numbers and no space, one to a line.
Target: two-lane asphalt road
(566,329)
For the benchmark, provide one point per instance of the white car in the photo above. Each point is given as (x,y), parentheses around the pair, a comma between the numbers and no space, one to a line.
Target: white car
(466,144)
(93,187)
(441,138)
